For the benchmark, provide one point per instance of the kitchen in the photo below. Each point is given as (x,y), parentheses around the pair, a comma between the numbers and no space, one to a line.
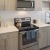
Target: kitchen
(10,37)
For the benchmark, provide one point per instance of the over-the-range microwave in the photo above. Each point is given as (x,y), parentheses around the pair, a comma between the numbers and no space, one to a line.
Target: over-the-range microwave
(25,5)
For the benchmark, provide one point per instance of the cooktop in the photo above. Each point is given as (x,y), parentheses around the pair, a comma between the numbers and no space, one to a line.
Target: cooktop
(32,27)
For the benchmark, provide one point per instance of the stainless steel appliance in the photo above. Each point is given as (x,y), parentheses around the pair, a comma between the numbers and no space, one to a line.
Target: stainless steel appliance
(25,5)
(28,34)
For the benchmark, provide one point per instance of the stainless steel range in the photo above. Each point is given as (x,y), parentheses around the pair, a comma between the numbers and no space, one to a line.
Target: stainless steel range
(28,34)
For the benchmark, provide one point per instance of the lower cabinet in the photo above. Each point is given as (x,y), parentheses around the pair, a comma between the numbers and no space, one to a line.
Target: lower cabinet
(12,44)
(2,44)
(43,37)
(9,41)
(48,28)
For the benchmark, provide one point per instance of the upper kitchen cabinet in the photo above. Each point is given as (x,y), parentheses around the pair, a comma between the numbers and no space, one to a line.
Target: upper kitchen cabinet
(13,5)
(38,5)
(10,5)
(2,6)
(33,5)
(45,6)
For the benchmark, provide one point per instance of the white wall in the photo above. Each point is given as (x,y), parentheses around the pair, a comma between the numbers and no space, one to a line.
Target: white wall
(8,17)
(42,16)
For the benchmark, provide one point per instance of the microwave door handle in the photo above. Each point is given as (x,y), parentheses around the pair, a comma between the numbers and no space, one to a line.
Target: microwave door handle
(32,4)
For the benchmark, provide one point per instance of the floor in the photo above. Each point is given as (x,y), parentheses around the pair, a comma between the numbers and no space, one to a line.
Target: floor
(47,48)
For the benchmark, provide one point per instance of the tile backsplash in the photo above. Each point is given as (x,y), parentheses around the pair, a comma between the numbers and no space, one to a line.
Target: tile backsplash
(8,16)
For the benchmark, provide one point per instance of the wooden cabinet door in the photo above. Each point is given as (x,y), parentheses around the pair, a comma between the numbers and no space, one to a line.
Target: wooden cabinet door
(38,5)
(10,5)
(43,37)
(12,43)
(2,5)
(48,28)
(2,44)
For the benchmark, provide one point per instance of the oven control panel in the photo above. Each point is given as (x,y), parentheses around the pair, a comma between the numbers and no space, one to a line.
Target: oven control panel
(22,19)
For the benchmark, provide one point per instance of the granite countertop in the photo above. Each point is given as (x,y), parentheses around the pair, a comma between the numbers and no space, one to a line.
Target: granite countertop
(13,28)
(41,24)
(8,29)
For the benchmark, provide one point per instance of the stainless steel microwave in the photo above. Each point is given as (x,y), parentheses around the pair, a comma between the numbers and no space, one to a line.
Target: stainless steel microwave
(25,5)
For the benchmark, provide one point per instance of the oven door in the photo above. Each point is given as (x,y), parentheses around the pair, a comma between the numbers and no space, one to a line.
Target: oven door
(28,38)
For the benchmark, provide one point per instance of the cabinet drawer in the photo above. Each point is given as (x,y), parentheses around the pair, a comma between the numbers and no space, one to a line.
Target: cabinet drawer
(12,34)
(3,36)
(42,29)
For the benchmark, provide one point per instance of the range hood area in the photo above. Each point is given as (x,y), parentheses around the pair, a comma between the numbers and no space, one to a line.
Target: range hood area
(25,5)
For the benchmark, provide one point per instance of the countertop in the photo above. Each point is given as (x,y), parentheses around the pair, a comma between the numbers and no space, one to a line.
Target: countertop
(41,24)
(13,28)
(8,29)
